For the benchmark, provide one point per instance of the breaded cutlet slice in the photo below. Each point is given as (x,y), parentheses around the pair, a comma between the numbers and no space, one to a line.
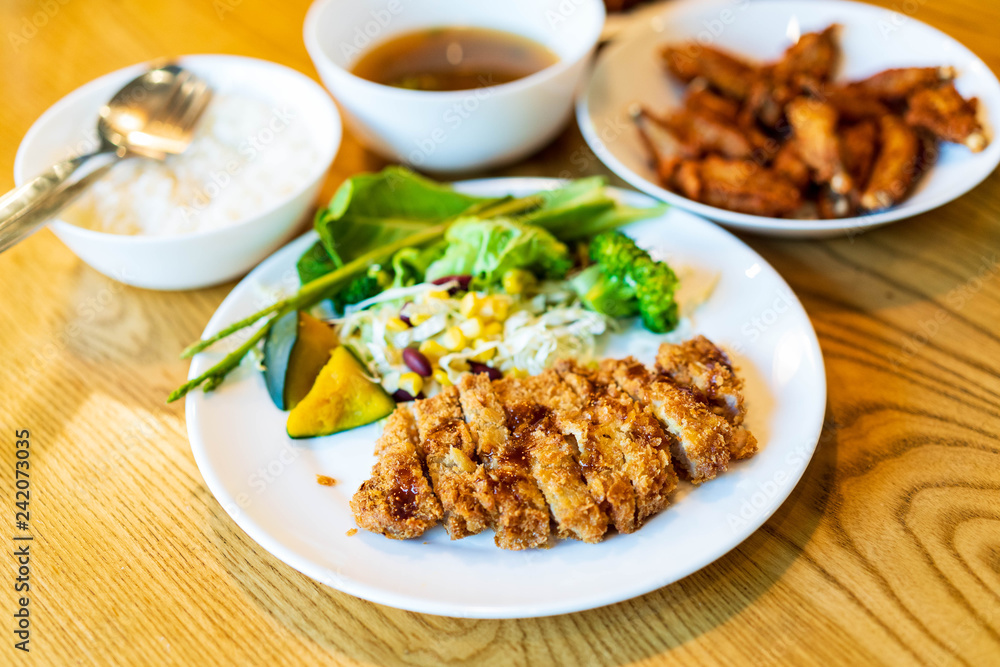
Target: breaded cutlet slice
(634,431)
(397,501)
(701,438)
(522,515)
(601,460)
(702,367)
(461,484)
(550,459)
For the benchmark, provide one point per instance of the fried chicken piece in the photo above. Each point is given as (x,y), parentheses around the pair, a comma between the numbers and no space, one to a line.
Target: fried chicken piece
(666,150)
(850,104)
(814,56)
(704,101)
(631,429)
(788,163)
(461,484)
(814,124)
(895,85)
(522,520)
(397,501)
(946,114)
(701,438)
(699,365)
(737,185)
(551,460)
(858,143)
(830,205)
(895,165)
(600,458)
(724,72)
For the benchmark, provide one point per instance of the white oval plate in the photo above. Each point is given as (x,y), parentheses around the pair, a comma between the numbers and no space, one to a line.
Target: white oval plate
(267,482)
(628,72)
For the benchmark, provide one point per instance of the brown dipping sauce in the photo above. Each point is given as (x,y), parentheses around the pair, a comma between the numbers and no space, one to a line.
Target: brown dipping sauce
(441,59)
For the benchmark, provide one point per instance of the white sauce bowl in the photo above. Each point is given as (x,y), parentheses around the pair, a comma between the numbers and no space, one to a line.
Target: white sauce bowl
(455,130)
(199,259)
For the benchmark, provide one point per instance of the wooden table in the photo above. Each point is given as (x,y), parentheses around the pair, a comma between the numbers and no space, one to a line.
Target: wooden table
(887,551)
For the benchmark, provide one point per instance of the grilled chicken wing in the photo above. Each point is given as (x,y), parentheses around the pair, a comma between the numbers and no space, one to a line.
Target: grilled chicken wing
(895,165)
(945,113)
(895,85)
(726,73)
(737,185)
(814,124)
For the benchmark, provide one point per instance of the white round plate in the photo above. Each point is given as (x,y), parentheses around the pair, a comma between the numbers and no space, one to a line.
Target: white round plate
(267,482)
(629,72)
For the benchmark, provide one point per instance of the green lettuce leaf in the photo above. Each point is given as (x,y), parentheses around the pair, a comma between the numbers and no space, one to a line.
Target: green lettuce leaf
(486,249)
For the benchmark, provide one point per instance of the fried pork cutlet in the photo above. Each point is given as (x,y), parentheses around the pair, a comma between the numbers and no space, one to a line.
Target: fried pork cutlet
(707,371)
(942,111)
(701,437)
(397,501)
(522,515)
(551,461)
(634,431)
(461,484)
(600,457)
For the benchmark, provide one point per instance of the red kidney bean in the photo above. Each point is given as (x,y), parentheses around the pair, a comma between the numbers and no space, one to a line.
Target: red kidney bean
(417,362)
(401,396)
(477,367)
(403,316)
(462,286)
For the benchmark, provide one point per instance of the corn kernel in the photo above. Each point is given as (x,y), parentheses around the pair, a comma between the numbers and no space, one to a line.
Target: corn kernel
(485,355)
(453,339)
(492,329)
(441,375)
(496,308)
(470,304)
(416,319)
(433,350)
(395,325)
(472,327)
(517,373)
(437,294)
(411,383)
(518,281)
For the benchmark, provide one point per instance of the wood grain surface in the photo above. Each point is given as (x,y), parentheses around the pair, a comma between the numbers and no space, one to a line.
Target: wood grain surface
(888,551)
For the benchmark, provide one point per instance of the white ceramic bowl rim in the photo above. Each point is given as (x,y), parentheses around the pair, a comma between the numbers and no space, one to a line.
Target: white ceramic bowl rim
(70,99)
(317,52)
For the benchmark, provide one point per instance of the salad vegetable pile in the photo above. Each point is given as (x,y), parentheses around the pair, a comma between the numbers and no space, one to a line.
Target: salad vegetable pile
(421,283)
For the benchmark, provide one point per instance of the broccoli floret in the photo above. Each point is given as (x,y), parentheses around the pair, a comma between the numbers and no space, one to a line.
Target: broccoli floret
(654,282)
(361,288)
(605,294)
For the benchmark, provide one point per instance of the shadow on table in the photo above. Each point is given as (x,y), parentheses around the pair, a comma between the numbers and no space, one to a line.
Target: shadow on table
(651,625)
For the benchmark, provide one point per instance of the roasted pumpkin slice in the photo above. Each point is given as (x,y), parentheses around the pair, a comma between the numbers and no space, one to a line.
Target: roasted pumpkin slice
(343,397)
(297,347)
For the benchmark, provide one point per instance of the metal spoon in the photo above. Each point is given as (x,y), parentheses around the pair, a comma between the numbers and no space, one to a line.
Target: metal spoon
(152,116)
